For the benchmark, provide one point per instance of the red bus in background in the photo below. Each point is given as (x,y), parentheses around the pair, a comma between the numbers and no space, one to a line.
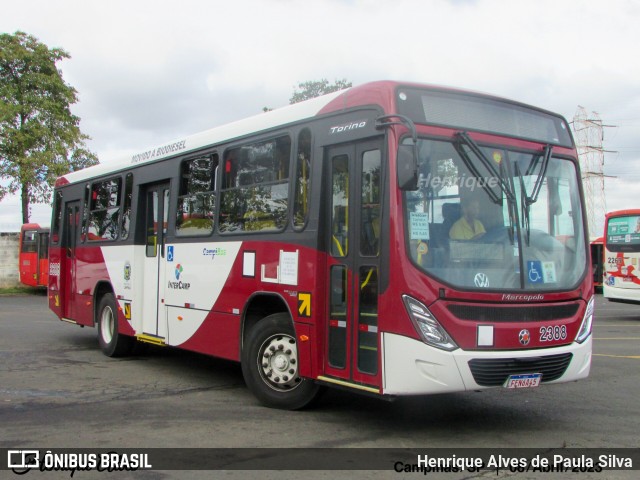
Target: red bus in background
(391,238)
(33,258)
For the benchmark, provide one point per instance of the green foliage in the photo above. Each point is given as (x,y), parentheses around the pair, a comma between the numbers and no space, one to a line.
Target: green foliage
(40,139)
(312,89)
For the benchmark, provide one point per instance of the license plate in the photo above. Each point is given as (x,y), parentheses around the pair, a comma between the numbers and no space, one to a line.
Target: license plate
(528,380)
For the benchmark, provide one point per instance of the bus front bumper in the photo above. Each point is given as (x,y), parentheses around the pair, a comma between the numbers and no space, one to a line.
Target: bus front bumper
(413,368)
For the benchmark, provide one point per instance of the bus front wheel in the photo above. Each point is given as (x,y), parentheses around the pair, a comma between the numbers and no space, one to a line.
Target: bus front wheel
(270,365)
(112,343)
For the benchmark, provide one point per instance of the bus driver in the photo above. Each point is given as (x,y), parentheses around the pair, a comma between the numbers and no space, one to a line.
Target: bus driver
(468,227)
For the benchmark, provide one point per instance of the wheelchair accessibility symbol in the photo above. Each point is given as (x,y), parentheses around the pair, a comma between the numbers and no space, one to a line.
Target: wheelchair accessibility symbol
(534,271)
(170,253)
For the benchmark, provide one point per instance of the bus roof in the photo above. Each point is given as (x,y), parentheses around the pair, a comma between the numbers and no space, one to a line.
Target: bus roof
(34,226)
(256,123)
(380,93)
(621,213)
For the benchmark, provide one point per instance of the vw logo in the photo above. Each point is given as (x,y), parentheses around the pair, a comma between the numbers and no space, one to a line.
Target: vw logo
(524,336)
(481,280)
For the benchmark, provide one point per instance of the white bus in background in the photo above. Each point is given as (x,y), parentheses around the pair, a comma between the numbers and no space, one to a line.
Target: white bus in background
(622,256)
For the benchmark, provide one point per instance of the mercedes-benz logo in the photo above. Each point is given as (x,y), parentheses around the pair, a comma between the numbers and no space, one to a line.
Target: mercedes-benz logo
(481,280)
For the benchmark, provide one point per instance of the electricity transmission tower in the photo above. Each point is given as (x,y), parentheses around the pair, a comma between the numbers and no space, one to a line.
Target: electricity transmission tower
(589,134)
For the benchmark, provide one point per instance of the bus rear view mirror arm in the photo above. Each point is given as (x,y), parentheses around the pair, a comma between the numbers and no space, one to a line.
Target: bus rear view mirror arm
(407,160)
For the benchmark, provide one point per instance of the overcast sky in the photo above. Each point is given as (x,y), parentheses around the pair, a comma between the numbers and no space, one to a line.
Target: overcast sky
(150,71)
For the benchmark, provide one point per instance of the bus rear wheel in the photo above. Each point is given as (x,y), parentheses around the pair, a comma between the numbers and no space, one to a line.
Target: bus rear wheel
(270,365)
(112,343)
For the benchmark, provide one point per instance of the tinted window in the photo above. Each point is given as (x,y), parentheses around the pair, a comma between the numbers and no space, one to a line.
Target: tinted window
(256,187)
(196,199)
(104,210)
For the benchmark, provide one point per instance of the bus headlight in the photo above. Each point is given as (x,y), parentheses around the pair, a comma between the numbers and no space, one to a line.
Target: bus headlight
(429,329)
(587,322)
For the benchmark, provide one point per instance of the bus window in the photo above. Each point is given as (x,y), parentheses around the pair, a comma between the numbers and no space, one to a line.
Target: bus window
(340,205)
(256,187)
(152,224)
(29,241)
(368,321)
(104,210)
(196,199)
(125,223)
(370,191)
(85,214)
(338,317)
(303,174)
(57,218)
(43,249)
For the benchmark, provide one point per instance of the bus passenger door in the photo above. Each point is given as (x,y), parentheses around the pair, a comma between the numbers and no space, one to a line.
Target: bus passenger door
(156,203)
(353,227)
(69,260)
(43,259)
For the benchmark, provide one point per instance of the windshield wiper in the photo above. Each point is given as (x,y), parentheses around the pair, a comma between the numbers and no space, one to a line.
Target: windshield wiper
(543,173)
(473,146)
(495,198)
(525,202)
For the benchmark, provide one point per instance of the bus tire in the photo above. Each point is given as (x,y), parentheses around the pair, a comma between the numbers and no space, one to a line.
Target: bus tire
(112,343)
(270,365)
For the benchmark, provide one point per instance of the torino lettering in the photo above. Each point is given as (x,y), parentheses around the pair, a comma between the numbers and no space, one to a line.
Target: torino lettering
(347,127)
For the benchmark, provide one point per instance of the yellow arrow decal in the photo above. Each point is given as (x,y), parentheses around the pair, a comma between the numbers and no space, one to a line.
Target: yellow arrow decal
(304,304)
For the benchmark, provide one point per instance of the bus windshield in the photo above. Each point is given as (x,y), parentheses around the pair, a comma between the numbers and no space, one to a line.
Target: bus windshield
(493,218)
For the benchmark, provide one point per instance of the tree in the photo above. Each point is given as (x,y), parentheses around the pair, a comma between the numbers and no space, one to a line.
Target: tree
(40,139)
(312,89)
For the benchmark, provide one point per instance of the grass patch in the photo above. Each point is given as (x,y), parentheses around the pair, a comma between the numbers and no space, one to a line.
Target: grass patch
(23,291)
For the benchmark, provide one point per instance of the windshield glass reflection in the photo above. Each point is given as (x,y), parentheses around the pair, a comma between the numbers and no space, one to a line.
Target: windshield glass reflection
(486,217)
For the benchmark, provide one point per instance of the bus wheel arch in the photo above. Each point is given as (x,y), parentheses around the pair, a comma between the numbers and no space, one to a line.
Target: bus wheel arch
(270,365)
(260,305)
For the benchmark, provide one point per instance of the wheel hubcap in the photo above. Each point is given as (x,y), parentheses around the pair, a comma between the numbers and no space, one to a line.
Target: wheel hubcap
(278,362)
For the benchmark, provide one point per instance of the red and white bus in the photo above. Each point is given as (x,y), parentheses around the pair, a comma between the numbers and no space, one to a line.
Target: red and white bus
(33,257)
(313,244)
(622,256)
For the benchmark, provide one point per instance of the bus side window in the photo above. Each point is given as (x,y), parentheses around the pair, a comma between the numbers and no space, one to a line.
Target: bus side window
(85,213)
(255,195)
(196,198)
(57,219)
(125,222)
(370,189)
(104,210)
(340,205)
(302,185)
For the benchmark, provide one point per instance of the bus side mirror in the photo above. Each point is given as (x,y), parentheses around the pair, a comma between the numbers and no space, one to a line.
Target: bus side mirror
(407,164)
